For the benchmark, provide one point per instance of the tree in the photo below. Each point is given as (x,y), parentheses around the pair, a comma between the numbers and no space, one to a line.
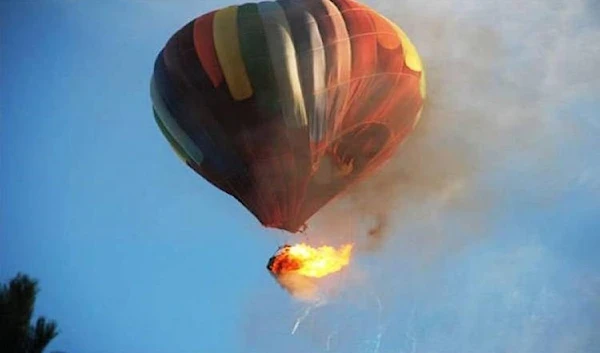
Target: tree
(17,335)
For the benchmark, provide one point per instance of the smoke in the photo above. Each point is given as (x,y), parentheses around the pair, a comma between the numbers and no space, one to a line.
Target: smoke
(501,127)
(498,74)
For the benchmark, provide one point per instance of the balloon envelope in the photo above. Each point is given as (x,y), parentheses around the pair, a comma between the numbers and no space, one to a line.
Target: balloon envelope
(284,104)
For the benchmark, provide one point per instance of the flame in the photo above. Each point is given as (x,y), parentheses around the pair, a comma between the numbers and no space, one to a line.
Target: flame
(307,261)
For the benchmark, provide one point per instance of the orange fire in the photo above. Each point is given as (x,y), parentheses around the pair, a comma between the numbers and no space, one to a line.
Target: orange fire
(307,261)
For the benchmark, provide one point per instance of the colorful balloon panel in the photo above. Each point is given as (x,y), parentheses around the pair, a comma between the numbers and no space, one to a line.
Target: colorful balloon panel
(284,104)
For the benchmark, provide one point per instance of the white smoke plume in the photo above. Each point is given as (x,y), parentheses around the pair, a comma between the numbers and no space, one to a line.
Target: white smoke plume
(511,120)
(499,75)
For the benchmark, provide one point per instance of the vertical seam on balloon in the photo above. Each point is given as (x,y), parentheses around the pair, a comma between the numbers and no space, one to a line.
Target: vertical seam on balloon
(289,78)
(262,86)
(338,23)
(227,46)
(206,51)
(346,99)
(184,156)
(162,109)
(301,29)
(366,15)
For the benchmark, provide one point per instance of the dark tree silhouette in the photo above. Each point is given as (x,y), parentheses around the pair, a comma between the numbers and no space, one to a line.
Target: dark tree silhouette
(17,335)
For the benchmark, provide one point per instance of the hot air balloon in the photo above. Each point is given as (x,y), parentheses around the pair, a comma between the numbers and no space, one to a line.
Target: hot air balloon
(285,104)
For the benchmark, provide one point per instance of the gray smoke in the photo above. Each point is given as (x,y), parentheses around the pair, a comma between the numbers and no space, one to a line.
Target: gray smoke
(499,73)
(501,130)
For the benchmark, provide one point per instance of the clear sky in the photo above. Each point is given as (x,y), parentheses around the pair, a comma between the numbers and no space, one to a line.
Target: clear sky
(137,254)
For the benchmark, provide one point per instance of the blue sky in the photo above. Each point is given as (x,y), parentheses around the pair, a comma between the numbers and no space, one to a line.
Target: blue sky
(136,253)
